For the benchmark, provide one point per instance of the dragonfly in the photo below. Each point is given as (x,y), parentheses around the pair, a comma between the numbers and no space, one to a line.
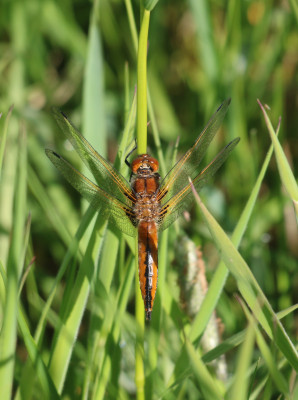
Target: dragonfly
(146,204)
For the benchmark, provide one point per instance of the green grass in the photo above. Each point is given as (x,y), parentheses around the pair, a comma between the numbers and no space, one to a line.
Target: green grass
(68,284)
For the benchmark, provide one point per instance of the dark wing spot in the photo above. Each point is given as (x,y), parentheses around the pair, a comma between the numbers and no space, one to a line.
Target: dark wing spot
(163,211)
(130,196)
(55,154)
(163,195)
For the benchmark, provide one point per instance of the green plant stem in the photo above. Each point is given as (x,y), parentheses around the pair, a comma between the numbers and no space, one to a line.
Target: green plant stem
(142,97)
(142,85)
(140,325)
(142,148)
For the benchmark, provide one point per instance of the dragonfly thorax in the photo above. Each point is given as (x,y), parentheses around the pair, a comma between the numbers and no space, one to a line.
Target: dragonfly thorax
(147,209)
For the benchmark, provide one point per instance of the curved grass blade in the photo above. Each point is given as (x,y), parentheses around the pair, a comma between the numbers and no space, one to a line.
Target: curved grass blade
(221,273)
(284,168)
(249,288)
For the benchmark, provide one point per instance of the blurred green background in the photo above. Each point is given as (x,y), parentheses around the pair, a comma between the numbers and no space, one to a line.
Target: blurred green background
(80,57)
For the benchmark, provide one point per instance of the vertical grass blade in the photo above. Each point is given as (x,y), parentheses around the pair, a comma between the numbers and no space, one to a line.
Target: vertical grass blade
(201,13)
(267,354)
(239,390)
(14,270)
(114,331)
(93,95)
(41,371)
(210,388)
(3,137)
(74,306)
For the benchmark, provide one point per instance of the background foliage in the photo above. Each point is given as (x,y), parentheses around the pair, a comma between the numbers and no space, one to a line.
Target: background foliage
(81,57)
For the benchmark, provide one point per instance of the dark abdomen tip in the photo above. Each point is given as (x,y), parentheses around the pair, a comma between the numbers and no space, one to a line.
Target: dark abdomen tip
(148,315)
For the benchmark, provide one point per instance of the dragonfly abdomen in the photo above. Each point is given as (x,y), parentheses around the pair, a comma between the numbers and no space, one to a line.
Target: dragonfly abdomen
(148,263)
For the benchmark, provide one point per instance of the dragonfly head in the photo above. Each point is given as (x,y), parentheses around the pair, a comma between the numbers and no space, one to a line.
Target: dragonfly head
(144,165)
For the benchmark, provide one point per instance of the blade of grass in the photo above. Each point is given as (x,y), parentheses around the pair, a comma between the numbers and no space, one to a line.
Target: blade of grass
(93,94)
(208,357)
(105,369)
(271,363)
(263,383)
(47,205)
(24,251)
(2,290)
(74,307)
(224,347)
(287,311)
(14,268)
(3,137)
(202,18)
(221,273)
(249,288)
(40,370)
(150,4)
(35,358)
(209,386)
(284,168)
(239,389)
(132,25)
(126,92)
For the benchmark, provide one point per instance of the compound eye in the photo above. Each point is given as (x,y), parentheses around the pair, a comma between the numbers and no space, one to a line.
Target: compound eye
(154,165)
(135,165)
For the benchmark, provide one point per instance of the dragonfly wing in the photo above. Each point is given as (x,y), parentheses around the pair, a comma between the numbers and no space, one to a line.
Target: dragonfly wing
(188,165)
(121,215)
(105,174)
(174,207)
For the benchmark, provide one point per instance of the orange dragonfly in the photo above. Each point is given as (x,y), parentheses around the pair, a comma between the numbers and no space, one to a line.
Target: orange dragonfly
(146,205)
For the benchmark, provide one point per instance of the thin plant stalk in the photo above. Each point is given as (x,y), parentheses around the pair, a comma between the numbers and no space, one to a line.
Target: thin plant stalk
(142,85)
(142,148)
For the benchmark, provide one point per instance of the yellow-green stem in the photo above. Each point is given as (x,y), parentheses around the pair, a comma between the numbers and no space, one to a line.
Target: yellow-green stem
(142,148)
(142,85)
(139,372)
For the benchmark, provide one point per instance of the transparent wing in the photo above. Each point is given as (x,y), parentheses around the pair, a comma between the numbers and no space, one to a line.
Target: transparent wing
(174,207)
(121,215)
(104,173)
(188,165)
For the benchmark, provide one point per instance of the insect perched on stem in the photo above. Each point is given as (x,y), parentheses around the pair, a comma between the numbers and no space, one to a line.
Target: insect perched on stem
(147,204)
